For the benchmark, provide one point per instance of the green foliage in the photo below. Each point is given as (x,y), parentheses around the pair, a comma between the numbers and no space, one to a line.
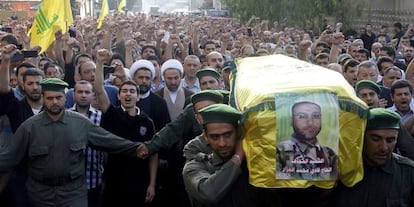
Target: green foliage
(206,5)
(297,12)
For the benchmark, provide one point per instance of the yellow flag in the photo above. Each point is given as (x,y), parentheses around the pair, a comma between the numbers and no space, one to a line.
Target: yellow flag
(51,16)
(104,12)
(121,5)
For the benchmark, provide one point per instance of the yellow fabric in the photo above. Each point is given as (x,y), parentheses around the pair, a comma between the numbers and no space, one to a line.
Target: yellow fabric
(256,81)
(121,5)
(51,16)
(104,12)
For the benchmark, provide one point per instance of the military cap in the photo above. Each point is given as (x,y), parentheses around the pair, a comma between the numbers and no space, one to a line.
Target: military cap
(208,72)
(380,118)
(367,84)
(220,113)
(212,95)
(343,57)
(226,95)
(224,92)
(227,65)
(53,84)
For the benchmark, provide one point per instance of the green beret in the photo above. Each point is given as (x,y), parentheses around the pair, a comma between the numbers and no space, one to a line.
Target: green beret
(226,95)
(208,72)
(380,118)
(53,84)
(227,65)
(211,95)
(224,92)
(220,113)
(367,84)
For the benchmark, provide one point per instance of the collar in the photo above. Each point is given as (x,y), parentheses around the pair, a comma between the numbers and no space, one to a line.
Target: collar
(145,95)
(303,146)
(393,108)
(396,110)
(154,87)
(184,84)
(405,116)
(19,94)
(24,100)
(387,167)
(136,108)
(91,109)
(63,117)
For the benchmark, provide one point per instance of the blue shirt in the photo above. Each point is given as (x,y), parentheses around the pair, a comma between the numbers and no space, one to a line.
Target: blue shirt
(155,88)
(194,88)
(404,117)
(18,94)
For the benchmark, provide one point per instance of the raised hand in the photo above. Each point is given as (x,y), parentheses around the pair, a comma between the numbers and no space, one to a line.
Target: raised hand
(7,52)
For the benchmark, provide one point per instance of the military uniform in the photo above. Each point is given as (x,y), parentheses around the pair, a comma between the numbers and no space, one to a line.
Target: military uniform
(56,156)
(387,182)
(297,160)
(211,181)
(175,133)
(388,185)
(197,148)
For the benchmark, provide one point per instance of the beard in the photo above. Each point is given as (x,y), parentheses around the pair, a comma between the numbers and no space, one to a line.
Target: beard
(173,88)
(34,98)
(300,134)
(143,89)
(54,110)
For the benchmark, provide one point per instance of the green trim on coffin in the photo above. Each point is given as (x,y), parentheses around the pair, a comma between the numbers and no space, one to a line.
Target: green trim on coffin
(345,104)
(348,105)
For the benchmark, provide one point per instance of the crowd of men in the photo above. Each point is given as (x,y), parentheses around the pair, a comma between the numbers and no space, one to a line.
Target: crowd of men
(135,113)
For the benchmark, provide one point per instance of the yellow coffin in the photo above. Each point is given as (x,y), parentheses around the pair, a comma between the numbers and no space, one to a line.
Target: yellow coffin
(256,83)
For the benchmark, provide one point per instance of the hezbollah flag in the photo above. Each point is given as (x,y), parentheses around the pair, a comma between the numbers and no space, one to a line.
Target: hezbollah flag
(51,16)
(121,5)
(104,12)
(302,124)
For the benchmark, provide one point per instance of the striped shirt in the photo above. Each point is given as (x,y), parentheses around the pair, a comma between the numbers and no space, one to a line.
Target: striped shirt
(95,159)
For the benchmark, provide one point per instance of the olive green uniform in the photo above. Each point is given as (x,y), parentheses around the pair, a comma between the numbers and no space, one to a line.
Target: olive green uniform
(177,133)
(56,156)
(297,160)
(211,181)
(388,185)
(197,148)
(405,142)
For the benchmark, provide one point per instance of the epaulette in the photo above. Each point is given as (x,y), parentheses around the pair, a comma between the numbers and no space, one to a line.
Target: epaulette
(286,146)
(403,160)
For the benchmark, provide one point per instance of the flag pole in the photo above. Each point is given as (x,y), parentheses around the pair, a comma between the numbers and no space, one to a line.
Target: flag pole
(66,21)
